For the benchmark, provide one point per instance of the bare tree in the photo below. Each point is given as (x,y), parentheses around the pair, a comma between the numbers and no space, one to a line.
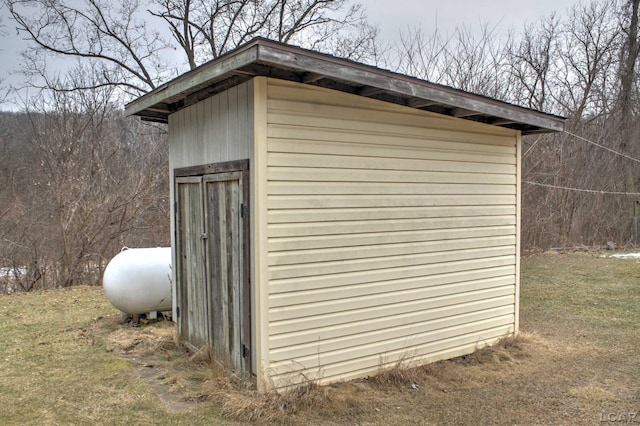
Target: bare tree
(89,185)
(582,66)
(590,42)
(592,187)
(532,64)
(95,181)
(627,99)
(205,30)
(629,59)
(3,90)
(125,45)
(475,63)
(420,54)
(111,36)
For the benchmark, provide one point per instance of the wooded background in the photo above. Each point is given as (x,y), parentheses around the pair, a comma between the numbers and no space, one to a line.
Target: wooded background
(80,181)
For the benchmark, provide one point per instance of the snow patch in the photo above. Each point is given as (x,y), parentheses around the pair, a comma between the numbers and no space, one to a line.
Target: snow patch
(626,256)
(10,273)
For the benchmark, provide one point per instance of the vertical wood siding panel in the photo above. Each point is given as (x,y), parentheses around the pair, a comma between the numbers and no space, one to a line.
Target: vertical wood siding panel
(380,178)
(216,133)
(222,131)
(207,132)
(214,130)
(245,118)
(199,116)
(192,130)
(233,123)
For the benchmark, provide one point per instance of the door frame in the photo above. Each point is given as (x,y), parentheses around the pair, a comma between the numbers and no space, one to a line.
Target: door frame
(241,166)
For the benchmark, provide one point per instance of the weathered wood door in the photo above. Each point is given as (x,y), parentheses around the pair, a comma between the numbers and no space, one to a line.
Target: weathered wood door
(191,292)
(213,292)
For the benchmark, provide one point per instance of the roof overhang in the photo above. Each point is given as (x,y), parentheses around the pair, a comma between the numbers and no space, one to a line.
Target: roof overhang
(262,57)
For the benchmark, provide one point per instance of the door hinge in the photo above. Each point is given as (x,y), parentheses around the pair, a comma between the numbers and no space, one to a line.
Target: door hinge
(177,311)
(243,210)
(245,351)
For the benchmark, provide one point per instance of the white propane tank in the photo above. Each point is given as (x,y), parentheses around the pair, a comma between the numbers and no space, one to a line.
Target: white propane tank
(138,281)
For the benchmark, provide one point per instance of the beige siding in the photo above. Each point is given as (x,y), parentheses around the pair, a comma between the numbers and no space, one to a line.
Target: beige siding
(259,225)
(217,129)
(391,234)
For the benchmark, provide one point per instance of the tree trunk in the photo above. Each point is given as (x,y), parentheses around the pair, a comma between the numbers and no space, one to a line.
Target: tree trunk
(627,77)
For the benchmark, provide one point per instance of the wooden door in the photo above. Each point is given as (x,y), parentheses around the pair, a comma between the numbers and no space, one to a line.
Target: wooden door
(225,254)
(212,285)
(191,293)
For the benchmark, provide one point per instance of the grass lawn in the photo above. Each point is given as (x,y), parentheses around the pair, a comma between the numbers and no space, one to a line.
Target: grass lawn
(66,359)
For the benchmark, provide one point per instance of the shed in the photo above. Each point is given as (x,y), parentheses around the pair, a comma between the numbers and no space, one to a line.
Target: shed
(332,218)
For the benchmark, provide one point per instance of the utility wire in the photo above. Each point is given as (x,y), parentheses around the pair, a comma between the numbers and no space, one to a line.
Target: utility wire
(603,147)
(531,147)
(588,191)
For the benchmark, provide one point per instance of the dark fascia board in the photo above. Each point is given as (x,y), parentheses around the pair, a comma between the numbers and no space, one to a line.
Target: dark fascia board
(298,64)
(190,82)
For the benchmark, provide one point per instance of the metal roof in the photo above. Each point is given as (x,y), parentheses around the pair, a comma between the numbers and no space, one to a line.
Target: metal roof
(262,57)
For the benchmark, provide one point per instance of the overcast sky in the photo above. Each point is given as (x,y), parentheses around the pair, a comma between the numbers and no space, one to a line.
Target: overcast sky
(392,16)
(395,15)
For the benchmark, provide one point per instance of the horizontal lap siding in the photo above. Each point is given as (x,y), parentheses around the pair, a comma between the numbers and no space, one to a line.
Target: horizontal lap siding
(391,234)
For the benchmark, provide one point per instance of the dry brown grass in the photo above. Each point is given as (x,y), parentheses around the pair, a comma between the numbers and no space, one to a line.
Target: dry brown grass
(252,406)
(182,376)
(592,393)
(238,400)
(68,360)
(509,382)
